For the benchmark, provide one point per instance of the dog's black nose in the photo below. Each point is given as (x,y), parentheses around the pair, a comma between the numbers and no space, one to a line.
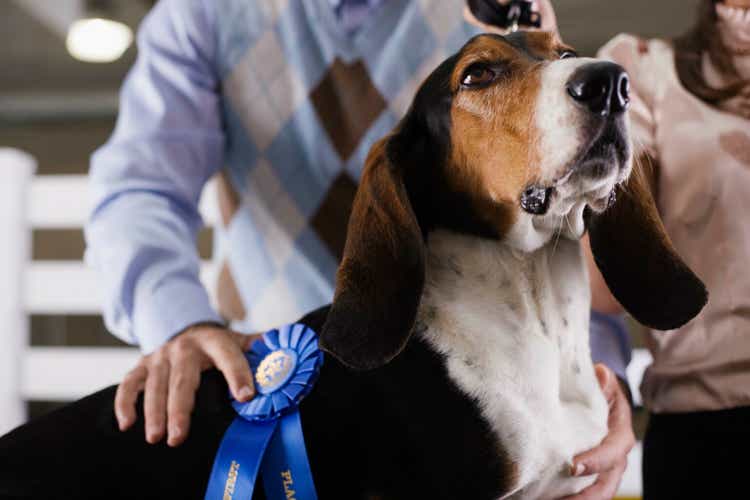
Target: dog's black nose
(603,87)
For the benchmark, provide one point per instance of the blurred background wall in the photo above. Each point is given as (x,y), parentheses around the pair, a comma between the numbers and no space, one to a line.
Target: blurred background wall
(60,109)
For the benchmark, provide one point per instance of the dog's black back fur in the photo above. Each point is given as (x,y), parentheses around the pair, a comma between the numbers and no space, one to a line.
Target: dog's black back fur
(400,431)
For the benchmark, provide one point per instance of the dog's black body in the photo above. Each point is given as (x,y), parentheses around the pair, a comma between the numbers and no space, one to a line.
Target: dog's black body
(400,431)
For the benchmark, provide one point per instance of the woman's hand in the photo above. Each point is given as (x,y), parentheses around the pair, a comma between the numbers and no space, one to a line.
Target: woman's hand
(170,376)
(610,458)
(544,7)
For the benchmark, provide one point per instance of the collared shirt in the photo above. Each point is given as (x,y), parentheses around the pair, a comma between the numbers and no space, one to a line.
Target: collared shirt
(352,13)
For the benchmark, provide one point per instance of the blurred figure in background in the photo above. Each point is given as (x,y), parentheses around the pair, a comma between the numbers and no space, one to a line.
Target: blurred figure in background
(691,119)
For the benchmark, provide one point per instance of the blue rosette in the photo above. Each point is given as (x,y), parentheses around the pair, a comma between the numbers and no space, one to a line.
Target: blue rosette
(285,365)
(266,436)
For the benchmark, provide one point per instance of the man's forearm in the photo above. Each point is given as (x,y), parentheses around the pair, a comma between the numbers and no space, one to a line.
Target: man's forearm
(146,181)
(142,249)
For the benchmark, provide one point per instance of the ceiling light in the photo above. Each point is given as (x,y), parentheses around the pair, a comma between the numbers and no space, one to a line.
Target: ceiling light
(97,38)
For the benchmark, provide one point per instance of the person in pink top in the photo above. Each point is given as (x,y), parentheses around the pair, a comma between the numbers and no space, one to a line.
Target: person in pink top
(690,115)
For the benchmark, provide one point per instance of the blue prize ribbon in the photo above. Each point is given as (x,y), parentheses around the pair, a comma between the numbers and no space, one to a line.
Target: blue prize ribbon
(266,436)
(239,458)
(286,471)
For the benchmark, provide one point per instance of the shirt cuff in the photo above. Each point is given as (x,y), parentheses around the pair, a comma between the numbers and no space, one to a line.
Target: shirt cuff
(168,309)
(610,342)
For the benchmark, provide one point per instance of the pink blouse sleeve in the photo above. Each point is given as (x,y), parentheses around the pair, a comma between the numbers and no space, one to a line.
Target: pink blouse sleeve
(632,53)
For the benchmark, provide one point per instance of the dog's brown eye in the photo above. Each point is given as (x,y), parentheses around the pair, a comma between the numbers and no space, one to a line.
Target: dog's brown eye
(478,75)
(567,54)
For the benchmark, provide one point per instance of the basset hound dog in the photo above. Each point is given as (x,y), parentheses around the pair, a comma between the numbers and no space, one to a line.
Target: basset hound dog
(458,361)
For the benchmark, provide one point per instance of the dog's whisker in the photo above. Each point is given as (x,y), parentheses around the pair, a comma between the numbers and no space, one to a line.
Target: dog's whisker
(557,235)
(570,227)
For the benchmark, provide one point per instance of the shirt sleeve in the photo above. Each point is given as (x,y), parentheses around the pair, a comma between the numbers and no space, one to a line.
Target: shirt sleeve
(610,342)
(633,54)
(147,179)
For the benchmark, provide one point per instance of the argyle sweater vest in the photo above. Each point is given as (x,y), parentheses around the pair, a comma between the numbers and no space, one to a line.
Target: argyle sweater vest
(302,104)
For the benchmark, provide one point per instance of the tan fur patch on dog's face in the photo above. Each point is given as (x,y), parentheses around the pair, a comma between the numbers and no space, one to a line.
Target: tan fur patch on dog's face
(494,138)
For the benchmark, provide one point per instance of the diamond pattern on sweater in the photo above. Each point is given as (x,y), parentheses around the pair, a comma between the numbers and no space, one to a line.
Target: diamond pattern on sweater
(347,103)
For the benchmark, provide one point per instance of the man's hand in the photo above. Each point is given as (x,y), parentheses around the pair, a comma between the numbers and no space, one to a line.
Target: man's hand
(543,7)
(549,19)
(170,376)
(609,459)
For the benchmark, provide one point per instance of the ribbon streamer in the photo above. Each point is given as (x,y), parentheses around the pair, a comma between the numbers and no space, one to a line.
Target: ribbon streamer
(266,436)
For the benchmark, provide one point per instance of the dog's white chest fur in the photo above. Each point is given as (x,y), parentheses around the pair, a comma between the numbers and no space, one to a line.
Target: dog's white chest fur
(514,329)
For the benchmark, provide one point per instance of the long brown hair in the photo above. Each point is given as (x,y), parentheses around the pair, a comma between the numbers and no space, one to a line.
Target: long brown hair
(704,37)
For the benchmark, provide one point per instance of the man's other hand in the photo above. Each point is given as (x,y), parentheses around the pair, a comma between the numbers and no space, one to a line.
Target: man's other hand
(543,7)
(610,458)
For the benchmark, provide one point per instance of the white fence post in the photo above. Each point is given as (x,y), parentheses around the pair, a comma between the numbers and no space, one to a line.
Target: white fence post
(16,171)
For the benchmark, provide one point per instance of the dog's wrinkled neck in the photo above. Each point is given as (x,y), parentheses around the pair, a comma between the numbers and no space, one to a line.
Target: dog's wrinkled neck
(533,289)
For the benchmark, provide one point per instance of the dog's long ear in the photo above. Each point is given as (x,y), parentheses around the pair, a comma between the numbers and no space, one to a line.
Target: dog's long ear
(638,261)
(381,276)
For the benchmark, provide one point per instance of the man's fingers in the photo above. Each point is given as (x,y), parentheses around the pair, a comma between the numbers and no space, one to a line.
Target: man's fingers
(245,340)
(605,487)
(607,455)
(607,381)
(127,395)
(230,360)
(184,378)
(620,439)
(155,401)
(170,377)
(549,19)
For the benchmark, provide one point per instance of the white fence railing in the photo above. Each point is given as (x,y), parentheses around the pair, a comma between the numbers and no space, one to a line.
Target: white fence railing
(16,172)
(27,287)
(68,287)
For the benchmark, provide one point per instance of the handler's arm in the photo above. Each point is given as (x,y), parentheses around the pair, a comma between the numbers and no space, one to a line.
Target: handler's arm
(147,180)
(141,236)
(543,7)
